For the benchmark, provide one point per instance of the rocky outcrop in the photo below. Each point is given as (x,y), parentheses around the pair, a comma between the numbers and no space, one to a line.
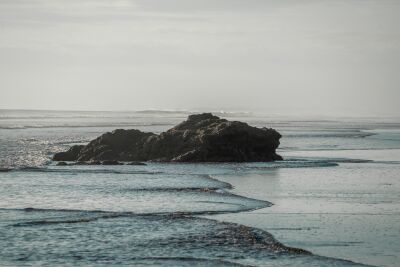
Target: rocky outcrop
(70,155)
(201,138)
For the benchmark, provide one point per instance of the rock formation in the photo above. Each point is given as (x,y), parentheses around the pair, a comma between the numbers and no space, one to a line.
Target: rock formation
(201,138)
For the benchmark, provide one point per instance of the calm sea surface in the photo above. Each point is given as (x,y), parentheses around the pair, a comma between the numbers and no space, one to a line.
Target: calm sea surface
(336,194)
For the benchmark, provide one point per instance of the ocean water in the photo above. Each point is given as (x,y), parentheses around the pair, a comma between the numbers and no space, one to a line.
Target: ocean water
(333,201)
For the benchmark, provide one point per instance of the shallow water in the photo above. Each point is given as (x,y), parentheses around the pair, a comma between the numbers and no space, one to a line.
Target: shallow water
(350,211)
(336,203)
(68,215)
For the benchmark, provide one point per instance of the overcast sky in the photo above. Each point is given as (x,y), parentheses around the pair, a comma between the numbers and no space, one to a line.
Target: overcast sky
(318,57)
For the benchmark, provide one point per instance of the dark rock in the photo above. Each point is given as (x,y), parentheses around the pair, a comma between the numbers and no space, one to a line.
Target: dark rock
(70,155)
(81,163)
(29,209)
(62,163)
(110,162)
(136,163)
(5,169)
(91,162)
(201,138)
